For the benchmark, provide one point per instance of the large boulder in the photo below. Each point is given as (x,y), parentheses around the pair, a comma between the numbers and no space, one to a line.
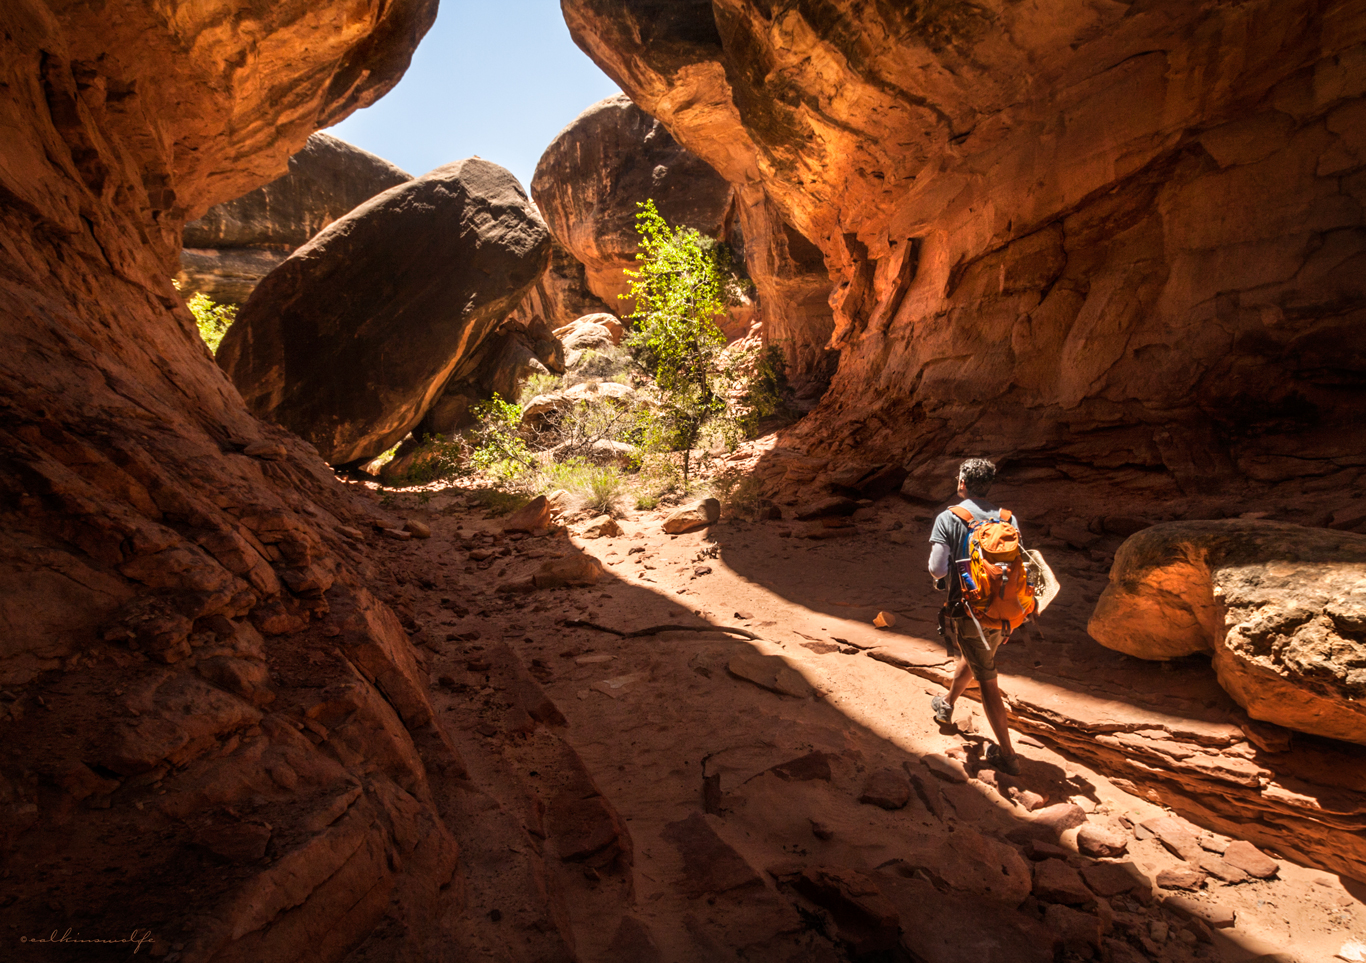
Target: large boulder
(1280,608)
(612,157)
(350,341)
(237,243)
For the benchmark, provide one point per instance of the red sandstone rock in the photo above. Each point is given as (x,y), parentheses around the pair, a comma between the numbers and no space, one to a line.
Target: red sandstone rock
(886,788)
(865,920)
(1229,588)
(1180,877)
(1250,859)
(238,242)
(1057,882)
(459,247)
(908,146)
(1176,835)
(1095,840)
(1079,932)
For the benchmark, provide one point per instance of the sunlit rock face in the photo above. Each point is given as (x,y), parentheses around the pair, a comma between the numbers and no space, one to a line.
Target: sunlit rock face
(167,562)
(238,242)
(614,156)
(1126,237)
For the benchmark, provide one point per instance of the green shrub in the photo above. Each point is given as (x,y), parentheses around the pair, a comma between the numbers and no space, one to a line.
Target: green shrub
(500,450)
(538,384)
(609,364)
(437,459)
(598,485)
(213,320)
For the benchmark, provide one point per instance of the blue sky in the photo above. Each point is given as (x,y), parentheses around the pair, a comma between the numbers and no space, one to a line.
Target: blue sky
(497,78)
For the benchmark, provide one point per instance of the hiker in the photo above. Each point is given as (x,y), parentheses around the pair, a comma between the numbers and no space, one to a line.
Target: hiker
(975,550)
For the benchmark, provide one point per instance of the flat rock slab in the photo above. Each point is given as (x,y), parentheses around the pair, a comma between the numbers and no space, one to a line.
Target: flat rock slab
(770,672)
(1250,859)
(1176,835)
(1114,879)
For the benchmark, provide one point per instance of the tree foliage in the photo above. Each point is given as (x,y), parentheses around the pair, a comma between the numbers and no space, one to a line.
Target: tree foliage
(682,284)
(212,319)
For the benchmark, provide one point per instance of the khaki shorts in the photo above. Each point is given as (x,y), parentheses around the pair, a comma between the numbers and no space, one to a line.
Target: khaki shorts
(980,652)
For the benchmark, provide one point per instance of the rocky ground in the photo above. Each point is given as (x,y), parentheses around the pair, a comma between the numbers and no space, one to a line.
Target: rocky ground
(766,776)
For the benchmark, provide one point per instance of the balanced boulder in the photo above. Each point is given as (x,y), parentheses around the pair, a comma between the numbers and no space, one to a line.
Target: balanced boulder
(1280,608)
(351,340)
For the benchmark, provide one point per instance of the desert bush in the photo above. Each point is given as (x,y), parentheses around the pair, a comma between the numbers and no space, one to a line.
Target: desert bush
(538,384)
(740,495)
(597,485)
(212,319)
(496,501)
(437,459)
(572,432)
(499,449)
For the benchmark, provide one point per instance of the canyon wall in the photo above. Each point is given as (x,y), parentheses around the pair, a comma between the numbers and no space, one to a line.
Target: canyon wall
(1066,234)
(201,702)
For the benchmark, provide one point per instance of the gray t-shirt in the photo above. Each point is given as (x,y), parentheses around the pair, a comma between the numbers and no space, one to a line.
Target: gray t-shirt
(950,530)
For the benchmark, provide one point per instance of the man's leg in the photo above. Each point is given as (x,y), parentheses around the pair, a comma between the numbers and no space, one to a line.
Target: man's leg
(962,676)
(995,708)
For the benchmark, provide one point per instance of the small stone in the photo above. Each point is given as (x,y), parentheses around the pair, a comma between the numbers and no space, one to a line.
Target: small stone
(349,532)
(1094,840)
(417,529)
(532,516)
(820,830)
(1213,844)
(1027,799)
(604,526)
(701,570)
(1175,835)
(700,514)
(885,620)
(1222,869)
(396,534)
(1181,877)
(886,788)
(1157,931)
(1250,859)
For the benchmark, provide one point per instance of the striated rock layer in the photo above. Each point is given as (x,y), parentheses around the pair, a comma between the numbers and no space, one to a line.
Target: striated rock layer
(1280,608)
(238,242)
(1143,225)
(210,727)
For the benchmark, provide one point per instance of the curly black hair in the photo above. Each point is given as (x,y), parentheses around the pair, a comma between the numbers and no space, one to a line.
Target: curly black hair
(978,474)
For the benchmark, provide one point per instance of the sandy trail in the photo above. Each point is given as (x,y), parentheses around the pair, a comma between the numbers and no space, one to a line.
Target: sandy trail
(666,731)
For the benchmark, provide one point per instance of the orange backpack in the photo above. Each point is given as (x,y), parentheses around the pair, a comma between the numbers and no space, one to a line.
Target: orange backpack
(991,573)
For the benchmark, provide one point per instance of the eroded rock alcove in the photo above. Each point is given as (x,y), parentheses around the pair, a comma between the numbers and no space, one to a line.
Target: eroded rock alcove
(1145,230)
(1141,225)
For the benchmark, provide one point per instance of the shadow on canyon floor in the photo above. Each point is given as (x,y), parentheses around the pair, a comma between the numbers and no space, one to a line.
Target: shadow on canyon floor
(654,718)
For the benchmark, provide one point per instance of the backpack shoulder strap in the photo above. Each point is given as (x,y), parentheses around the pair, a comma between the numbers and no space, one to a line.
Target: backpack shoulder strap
(963,515)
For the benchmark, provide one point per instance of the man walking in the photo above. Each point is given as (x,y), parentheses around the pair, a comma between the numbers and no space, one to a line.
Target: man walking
(977,639)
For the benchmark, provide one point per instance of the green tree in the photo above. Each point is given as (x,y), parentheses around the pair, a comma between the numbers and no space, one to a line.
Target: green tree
(681,285)
(212,319)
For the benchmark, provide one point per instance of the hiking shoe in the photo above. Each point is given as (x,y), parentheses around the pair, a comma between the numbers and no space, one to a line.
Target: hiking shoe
(943,712)
(995,760)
